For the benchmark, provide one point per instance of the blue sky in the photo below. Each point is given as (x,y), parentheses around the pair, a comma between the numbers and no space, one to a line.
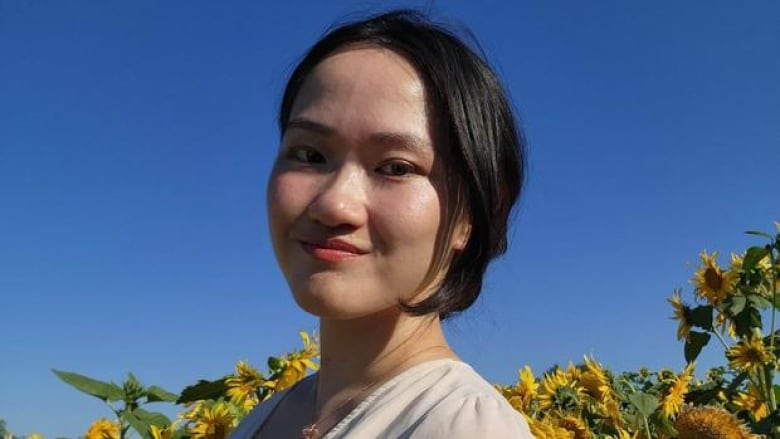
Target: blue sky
(136,139)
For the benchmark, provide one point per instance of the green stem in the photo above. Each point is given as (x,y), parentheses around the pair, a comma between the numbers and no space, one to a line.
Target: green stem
(768,382)
(720,337)
(770,370)
(647,428)
(761,384)
(118,421)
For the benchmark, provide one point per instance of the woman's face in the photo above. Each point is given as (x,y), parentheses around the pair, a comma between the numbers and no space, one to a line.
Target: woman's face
(354,197)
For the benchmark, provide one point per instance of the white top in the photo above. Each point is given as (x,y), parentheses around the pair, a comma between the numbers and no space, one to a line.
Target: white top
(437,399)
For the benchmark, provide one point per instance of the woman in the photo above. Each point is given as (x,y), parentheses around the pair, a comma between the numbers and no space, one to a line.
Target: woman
(398,167)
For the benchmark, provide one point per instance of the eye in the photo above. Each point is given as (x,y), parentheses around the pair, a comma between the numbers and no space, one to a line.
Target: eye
(305,155)
(396,169)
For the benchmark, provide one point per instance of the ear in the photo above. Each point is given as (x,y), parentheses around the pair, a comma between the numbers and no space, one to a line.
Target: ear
(461,234)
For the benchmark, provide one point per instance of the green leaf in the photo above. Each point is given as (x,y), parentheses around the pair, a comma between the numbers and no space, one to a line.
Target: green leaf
(701,316)
(766,425)
(736,304)
(664,424)
(645,403)
(745,321)
(136,423)
(753,256)
(737,382)
(99,389)
(704,394)
(152,418)
(157,393)
(759,233)
(695,343)
(203,390)
(180,433)
(758,301)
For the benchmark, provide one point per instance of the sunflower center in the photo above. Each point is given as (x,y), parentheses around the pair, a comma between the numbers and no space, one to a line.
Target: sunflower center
(713,279)
(756,355)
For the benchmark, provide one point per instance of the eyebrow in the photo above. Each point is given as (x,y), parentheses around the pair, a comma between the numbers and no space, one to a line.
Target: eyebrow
(407,141)
(308,125)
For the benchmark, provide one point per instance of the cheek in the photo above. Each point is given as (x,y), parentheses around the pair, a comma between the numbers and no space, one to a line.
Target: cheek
(285,203)
(285,198)
(410,224)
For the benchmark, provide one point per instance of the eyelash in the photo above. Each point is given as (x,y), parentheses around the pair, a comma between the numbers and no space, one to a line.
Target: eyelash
(408,168)
(309,155)
(303,154)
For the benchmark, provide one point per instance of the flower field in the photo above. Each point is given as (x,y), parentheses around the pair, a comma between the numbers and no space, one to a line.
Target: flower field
(731,308)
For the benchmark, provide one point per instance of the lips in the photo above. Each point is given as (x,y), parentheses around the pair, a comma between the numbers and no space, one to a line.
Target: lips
(331,249)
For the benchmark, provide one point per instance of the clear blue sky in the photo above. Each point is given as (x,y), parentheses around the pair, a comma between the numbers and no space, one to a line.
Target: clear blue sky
(136,139)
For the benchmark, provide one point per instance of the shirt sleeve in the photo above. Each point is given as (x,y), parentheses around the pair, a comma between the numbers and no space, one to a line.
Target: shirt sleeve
(479,416)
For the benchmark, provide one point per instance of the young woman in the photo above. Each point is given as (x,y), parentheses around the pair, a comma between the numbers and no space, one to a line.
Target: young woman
(399,164)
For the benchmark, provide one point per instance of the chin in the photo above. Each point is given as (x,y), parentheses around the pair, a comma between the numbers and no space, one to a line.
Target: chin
(330,306)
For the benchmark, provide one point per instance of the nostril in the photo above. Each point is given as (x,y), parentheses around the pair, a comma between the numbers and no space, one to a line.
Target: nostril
(332,212)
(339,203)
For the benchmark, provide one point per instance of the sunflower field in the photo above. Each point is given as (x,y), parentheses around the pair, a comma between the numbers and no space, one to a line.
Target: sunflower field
(732,307)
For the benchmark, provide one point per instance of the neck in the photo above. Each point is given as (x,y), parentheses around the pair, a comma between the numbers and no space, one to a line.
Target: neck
(365,352)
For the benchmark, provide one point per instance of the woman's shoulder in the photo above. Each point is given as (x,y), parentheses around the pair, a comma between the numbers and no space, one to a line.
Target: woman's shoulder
(254,420)
(471,416)
(441,398)
(469,407)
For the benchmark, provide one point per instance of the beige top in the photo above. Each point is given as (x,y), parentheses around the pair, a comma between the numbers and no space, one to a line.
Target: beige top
(437,399)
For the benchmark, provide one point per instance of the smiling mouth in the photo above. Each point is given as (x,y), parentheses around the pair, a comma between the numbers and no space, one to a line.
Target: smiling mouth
(332,250)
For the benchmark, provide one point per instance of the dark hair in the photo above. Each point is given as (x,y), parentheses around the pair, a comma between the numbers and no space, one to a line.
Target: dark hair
(481,146)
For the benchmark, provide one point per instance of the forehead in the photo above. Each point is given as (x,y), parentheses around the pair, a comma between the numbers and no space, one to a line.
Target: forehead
(360,91)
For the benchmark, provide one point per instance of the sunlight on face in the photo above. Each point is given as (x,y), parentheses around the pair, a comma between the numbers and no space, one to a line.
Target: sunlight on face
(354,197)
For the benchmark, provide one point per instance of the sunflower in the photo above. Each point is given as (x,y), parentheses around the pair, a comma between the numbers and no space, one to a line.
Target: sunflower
(753,402)
(681,313)
(526,388)
(576,426)
(573,372)
(162,433)
(295,365)
(709,422)
(726,325)
(737,260)
(624,434)
(675,396)
(595,381)
(193,411)
(509,393)
(764,265)
(560,390)
(103,429)
(544,430)
(750,354)
(213,422)
(712,283)
(521,395)
(597,384)
(611,409)
(243,385)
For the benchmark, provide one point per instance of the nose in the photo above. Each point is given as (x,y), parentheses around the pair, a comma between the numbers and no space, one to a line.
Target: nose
(341,201)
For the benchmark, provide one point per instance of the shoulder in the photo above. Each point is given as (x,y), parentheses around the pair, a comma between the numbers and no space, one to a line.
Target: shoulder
(476,416)
(255,420)
(470,407)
